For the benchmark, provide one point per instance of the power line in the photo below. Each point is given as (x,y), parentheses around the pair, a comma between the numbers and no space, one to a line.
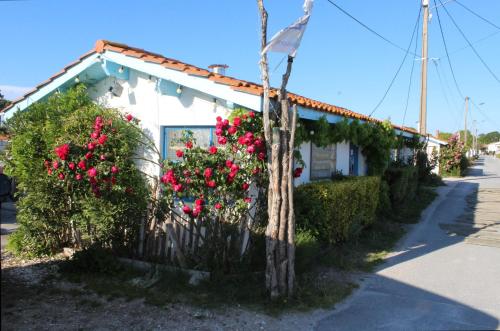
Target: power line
(445,94)
(477,15)
(447,53)
(401,65)
(483,113)
(370,29)
(470,44)
(476,42)
(411,76)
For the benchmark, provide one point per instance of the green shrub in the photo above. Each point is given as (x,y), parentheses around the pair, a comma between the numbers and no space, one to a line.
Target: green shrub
(52,209)
(336,211)
(403,183)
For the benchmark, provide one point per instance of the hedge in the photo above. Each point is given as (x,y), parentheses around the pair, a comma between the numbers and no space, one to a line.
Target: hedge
(403,183)
(334,211)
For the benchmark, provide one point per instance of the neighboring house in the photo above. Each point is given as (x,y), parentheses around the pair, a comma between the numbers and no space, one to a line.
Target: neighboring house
(168,96)
(493,148)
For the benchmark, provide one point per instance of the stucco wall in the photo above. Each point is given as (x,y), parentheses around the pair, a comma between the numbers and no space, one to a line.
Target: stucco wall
(305,151)
(343,157)
(155,110)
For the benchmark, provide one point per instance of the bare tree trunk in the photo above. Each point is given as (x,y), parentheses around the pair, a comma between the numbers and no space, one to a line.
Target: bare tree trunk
(279,135)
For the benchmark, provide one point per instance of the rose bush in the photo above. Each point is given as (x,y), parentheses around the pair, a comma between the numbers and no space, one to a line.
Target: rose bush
(452,160)
(217,187)
(73,161)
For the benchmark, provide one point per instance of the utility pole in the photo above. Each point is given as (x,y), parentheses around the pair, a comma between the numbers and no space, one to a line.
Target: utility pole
(465,119)
(423,88)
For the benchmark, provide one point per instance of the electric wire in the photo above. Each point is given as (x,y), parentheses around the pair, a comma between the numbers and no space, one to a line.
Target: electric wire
(411,76)
(477,15)
(400,66)
(445,94)
(476,42)
(447,53)
(470,44)
(369,29)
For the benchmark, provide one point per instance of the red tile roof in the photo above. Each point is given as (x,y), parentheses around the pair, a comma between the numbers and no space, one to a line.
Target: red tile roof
(236,84)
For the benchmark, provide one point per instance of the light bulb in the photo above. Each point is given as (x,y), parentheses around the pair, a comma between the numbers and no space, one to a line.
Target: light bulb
(121,70)
(77,79)
(179,89)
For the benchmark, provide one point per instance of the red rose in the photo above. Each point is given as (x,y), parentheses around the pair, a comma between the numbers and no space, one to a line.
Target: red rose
(208,172)
(89,155)
(82,165)
(212,150)
(98,119)
(244,116)
(129,190)
(248,200)
(199,202)
(237,121)
(229,163)
(62,151)
(178,188)
(61,176)
(242,140)
(218,119)
(187,173)
(232,130)
(218,206)
(92,172)
(261,156)
(186,209)
(179,153)
(114,169)
(49,172)
(211,184)
(235,167)
(102,139)
(225,123)
(78,177)
(94,135)
(128,117)
(257,142)
(218,131)
(189,144)
(91,146)
(222,140)
(251,149)
(251,114)
(297,172)
(72,165)
(46,163)
(245,186)
(255,171)
(113,180)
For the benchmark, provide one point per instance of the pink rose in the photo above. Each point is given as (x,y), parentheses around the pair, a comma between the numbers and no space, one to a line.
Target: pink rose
(89,155)
(72,165)
(251,149)
(189,144)
(208,172)
(211,184)
(78,177)
(212,150)
(102,139)
(232,130)
(61,176)
(92,172)
(245,186)
(218,206)
(114,169)
(55,164)
(94,135)
(237,121)
(179,153)
(129,117)
(82,165)
(186,209)
(229,163)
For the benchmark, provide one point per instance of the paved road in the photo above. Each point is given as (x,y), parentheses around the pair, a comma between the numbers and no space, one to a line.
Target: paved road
(8,221)
(446,273)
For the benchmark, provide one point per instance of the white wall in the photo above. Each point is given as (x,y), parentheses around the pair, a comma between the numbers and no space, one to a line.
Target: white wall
(155,110)
(343,157)
(305,151)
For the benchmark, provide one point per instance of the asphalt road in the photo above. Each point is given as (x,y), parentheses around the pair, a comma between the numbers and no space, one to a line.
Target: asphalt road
(445,275)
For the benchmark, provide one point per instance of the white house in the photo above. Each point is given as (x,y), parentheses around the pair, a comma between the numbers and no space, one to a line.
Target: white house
(493,148)
(168,96)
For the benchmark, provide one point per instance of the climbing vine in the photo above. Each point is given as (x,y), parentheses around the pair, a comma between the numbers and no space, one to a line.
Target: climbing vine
(376,139)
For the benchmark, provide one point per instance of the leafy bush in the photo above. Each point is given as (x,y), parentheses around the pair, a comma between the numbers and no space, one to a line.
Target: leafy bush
(62,203)
(452,161)
(336,211)
(403,183)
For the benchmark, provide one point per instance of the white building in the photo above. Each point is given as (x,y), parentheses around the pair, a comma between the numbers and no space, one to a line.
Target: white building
(168,96)
(493,148)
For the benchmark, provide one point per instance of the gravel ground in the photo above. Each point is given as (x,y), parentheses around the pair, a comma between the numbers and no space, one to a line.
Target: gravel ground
(32,298)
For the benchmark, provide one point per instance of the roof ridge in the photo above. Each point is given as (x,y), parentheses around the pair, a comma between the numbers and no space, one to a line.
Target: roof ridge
(236,84)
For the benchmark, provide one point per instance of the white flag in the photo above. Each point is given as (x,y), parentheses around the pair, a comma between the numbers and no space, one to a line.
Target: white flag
(288,39)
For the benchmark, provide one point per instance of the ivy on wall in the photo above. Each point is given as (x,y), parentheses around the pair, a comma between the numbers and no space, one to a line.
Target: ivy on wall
(375,139)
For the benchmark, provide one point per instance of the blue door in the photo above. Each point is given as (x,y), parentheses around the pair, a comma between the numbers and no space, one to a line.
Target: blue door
(353,159)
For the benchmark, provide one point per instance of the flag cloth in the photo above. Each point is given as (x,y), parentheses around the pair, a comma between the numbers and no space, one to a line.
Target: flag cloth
(288,39)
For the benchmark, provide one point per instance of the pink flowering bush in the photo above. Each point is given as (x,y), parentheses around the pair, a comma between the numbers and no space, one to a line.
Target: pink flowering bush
(452,159)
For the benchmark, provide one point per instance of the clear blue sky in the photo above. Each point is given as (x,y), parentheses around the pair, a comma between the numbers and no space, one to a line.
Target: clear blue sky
(339,61)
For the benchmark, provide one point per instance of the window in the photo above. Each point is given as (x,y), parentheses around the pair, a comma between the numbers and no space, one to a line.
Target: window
(323,161)
(171,139)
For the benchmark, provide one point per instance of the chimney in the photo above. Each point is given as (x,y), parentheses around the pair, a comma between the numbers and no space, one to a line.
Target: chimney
(218,68)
